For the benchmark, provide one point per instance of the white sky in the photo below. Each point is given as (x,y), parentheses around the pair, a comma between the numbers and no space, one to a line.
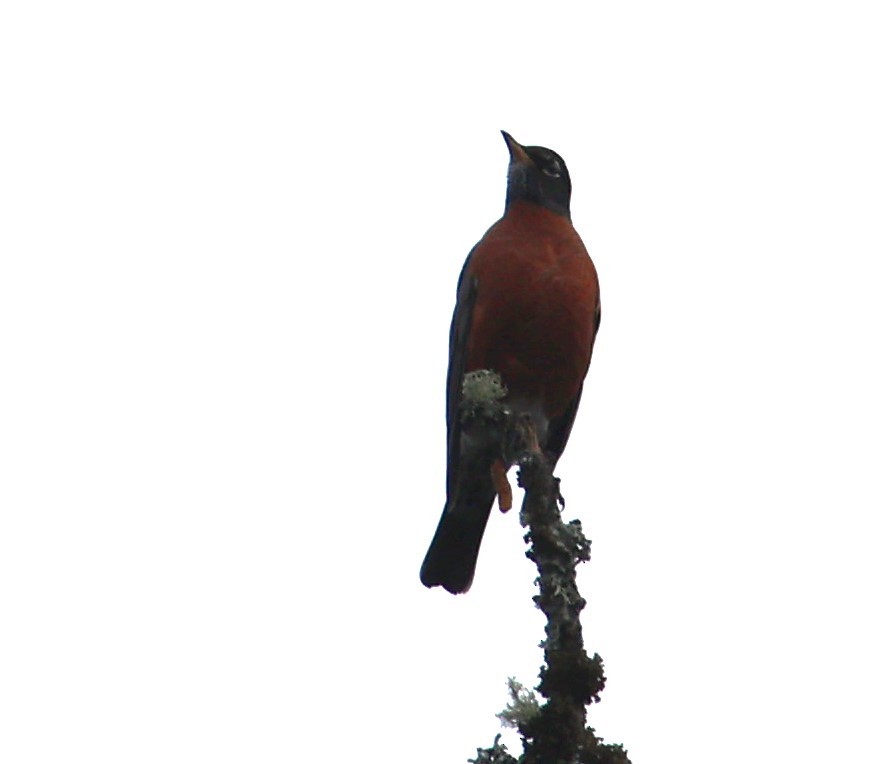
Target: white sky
(230,238)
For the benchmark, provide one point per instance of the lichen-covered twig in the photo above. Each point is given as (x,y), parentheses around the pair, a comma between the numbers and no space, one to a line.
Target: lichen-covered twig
(553,732)
(570,679)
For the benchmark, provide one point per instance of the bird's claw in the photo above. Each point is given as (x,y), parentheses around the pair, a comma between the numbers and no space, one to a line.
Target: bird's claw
(560,499)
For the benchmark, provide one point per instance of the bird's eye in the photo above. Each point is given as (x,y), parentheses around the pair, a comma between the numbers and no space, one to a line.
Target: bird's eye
(552,169)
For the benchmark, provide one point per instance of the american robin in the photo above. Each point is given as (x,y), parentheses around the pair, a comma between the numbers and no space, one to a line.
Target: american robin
(527,309)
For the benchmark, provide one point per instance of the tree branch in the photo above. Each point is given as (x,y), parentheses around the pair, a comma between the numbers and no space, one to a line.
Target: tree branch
(554,732)
(570,679)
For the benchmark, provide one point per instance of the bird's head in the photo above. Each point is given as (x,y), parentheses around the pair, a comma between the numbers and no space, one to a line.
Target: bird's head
(539,176)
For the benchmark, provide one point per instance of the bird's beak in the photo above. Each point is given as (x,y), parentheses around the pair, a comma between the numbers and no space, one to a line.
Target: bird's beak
(517,152)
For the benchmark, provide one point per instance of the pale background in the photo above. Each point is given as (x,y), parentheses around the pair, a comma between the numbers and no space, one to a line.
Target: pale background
(230,239)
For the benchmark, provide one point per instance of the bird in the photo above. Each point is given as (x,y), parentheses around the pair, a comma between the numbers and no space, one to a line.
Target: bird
(528,309)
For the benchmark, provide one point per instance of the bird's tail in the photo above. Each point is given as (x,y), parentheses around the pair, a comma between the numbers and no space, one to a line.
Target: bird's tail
(451,560)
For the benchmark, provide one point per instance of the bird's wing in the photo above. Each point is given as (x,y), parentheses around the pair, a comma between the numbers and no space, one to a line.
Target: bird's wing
(458,334)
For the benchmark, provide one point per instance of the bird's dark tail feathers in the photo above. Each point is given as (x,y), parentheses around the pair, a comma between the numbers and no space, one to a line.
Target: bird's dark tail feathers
(451,560)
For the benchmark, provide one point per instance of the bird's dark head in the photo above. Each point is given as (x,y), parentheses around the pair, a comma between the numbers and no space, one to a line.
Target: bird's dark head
(537,175)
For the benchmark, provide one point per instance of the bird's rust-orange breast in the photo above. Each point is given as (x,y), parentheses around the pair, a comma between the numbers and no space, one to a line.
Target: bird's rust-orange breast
(536,310)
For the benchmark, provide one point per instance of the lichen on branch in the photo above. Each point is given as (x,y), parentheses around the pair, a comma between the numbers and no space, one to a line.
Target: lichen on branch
(555,731)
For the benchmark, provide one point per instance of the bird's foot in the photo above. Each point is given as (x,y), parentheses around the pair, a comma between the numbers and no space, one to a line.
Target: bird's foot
(522,446)
(520,440)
